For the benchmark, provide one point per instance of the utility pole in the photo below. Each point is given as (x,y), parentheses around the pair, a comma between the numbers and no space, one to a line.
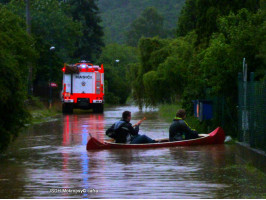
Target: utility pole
(28,28)
(28,19)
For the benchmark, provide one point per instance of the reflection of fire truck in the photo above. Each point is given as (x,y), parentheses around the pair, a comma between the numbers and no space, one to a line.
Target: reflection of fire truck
(83,87)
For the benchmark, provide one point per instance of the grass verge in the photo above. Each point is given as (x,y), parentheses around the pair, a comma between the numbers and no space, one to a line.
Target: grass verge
(40,112)
(247,175)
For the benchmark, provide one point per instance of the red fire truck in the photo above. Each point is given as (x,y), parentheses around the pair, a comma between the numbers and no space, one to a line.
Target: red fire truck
(83,87)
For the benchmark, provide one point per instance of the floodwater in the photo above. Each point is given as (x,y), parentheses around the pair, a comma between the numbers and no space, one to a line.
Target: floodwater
(50,160)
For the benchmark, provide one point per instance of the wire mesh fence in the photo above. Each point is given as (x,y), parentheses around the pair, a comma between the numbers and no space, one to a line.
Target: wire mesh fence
(252,113)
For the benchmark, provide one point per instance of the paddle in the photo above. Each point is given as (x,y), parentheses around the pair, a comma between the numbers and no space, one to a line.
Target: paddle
(139,122)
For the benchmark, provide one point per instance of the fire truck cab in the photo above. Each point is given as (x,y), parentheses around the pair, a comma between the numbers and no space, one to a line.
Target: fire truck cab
(83,87)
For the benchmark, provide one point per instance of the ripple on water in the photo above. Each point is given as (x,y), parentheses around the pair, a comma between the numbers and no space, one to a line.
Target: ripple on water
(53,156)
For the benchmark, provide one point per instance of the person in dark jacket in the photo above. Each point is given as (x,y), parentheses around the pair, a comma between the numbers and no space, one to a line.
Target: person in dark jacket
(179,129)
(123,131)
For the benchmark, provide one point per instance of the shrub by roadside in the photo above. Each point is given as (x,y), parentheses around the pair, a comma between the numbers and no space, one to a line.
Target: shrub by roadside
(40,112)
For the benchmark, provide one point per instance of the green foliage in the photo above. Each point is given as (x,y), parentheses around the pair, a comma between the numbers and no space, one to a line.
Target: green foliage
(187,19)
(206,56)
(16,50)
(52,25)
(162,75)
(174,71)
(39,112)
(89,44)
(148,47)
(152,52)
(245,32)
(117,86)
(202,15)
(118,15)
(148,24)
(240,36)
(72,27)
(150,82)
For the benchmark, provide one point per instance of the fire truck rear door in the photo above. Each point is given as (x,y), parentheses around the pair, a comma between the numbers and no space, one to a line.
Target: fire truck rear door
(84,82)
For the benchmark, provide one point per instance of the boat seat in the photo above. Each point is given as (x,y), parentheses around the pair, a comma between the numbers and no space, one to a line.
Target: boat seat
(203,135)
(110,140)
(162,140)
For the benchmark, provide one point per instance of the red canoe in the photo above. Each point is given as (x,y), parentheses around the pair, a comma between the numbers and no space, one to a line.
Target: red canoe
(215,137)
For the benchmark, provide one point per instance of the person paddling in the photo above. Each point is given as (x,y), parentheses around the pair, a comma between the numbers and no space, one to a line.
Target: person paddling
(123,131)
(179,128)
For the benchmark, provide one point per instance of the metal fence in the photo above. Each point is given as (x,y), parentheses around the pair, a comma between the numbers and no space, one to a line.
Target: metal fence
(252,112)
(224,114)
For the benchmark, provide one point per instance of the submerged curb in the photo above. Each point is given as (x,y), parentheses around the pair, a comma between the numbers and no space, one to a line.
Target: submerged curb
(250,155)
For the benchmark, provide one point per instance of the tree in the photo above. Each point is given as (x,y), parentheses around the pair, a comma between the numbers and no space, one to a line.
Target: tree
(16,49)
(239,35)
(153,51)
(116,59)
(202,15)
(149,24)
(187,19)
(164,70)
(90,43)
(118,15)
(52,25)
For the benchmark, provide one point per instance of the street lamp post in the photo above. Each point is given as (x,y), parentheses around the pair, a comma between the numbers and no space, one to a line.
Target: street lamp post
(116,62)
(52,48)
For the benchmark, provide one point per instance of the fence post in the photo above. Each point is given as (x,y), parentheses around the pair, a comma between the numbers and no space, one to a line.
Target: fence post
(252,102)
(240,98)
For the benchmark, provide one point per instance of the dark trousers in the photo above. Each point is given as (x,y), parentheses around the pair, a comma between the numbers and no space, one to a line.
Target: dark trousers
(142,139)
(189,136)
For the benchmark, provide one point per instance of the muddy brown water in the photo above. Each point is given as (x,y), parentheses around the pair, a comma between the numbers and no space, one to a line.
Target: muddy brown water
(50,160)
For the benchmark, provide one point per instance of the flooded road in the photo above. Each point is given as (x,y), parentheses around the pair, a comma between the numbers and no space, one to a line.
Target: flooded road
(50,157)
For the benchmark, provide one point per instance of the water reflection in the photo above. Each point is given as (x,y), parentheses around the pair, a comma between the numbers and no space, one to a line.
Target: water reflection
(76,131)
(53,155)
(76,128)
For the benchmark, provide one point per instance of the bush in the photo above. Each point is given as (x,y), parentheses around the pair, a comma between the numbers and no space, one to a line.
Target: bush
(15,50)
